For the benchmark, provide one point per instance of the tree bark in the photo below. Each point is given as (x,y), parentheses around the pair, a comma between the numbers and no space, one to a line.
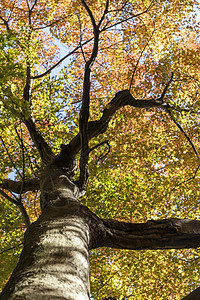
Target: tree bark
(195,295)
(54,263)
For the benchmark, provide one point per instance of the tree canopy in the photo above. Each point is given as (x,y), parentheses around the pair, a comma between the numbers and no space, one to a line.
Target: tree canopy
(62,63)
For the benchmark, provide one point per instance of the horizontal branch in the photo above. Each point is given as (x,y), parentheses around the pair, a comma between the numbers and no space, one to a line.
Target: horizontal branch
(159,234)
(20,187)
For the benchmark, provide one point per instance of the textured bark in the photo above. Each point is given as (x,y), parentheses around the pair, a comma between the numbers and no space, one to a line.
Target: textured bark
(55,260)
(20,186)
(54,263)
(159,234)
(195,295)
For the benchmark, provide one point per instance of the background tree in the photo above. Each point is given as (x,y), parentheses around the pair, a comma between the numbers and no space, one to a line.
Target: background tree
(126,103)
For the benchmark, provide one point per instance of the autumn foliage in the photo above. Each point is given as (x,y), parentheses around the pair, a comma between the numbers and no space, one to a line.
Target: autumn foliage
(148,167)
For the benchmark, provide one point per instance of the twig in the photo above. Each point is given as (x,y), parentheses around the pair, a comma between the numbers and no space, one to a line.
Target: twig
(10,157)
(166,87)
(80,28)
(61,60)
(140,58)
(19,204)
(102,156)
(11,248)
(191,143)
(5,23)
(125,20)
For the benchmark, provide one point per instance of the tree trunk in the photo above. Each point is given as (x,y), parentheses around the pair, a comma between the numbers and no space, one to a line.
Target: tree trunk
(55,260)
(54,263)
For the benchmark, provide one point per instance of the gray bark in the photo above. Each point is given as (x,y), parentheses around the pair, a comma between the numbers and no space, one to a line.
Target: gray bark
(54,263)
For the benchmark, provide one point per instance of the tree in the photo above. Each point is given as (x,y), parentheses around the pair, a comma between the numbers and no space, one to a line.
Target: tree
(127,104)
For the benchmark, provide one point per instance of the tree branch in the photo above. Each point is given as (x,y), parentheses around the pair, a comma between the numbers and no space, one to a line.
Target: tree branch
(5,23)
(104,13)
(84,112)
(137,63)
(19,204)
(24,214)
(129,18)
(8,197)
(11,248)
(43,148)
(61,60)
(100,126)
(159,234)
(16,186)
(10,157)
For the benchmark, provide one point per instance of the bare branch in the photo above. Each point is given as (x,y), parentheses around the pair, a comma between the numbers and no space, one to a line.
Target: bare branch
(190,141)
(154,234)
(84,112)
(100,144)
(18,204)
(34,4)
(11,248)
(140,58)
(61,60)
(26,93)
(166,88)
(49,25)
(24,214)
(16,186)
(89,13)
(43,148)
(102,156)
(104,13)
(5,23)
(129,18)
(100,126)
(10,157)
(80,28)
(86,42)
(8,197)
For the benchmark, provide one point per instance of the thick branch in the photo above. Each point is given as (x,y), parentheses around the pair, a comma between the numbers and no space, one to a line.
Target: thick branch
(160,234)
(84,113)
(43,148)
(24,214)
(121,99)
(19,187)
